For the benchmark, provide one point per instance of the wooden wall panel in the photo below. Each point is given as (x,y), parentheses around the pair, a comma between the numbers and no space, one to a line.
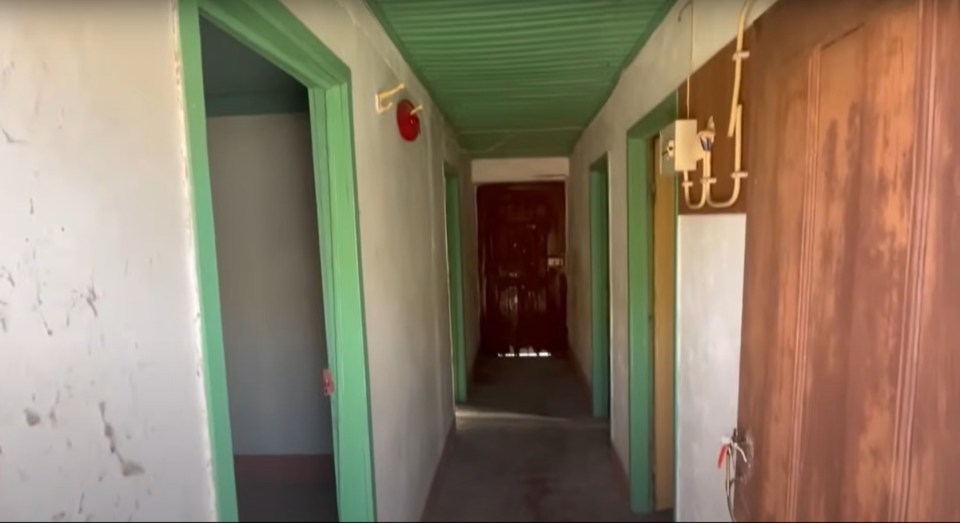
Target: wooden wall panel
(711,88)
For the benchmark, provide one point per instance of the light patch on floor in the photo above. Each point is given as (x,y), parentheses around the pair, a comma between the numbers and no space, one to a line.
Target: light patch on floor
(527,449)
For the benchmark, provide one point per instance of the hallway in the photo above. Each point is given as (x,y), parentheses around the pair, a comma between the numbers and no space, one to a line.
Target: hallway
(526,449)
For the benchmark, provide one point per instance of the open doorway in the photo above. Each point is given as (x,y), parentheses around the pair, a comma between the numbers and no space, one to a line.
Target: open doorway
(451,182)
(600,285)
(271,296)
(271,31)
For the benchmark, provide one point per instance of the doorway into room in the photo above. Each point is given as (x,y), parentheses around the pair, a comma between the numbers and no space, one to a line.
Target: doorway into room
(600,286)
(651,267)
(275,220)
(271,295)
(455,282)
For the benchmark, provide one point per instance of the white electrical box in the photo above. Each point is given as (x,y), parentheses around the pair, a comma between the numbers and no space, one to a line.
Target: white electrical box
(679,148)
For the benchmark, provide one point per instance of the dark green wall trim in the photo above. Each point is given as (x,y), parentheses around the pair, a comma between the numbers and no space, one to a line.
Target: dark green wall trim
(640,298)
(455,282)
(258,103)
(600,286)
(270,29)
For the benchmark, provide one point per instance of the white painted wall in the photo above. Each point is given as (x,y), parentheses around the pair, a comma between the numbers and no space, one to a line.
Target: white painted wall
(95,206)
(271,295)
(102,414)
(709,304)
(401,205)
(659,69)
(506,170)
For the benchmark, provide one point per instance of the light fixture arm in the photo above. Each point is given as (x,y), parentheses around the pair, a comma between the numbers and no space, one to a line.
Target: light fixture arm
(705,138)
(734,130)
(386,95)
(738,173)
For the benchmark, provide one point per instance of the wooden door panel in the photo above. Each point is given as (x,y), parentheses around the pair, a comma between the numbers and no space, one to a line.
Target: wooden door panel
(932,415)
(828,244)
(771,280)
(858,254)
(849,379)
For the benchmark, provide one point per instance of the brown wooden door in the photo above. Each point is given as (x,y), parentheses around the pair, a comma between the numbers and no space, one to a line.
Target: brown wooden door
(663,191)
(521,231)
(850,362)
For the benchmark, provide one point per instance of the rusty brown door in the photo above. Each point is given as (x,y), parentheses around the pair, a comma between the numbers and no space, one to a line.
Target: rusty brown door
(849,363)
(522,252)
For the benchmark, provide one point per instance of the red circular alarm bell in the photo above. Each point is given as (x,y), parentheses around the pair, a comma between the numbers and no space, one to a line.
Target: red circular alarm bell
(407,121)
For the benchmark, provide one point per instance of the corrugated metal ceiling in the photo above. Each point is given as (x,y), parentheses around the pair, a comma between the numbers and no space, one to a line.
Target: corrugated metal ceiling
(519,77)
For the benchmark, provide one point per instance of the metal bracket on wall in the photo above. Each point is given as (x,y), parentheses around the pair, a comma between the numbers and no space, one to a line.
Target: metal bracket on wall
(386,95)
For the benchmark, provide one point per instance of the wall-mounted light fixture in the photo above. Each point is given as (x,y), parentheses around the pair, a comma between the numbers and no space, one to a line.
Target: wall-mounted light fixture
(408,123)
(682,146)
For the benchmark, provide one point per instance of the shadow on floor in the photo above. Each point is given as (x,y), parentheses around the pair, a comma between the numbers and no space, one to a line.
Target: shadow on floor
(286,488)
(526,449)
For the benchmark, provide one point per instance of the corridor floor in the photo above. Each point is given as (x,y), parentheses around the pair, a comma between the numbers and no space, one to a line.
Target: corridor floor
(526,449)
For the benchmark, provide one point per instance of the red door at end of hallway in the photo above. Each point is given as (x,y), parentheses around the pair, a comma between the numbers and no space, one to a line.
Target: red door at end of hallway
(522,273)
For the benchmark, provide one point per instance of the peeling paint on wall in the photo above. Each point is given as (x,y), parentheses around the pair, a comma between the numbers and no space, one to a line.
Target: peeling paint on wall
(93,192)
(10,139)
(33,419)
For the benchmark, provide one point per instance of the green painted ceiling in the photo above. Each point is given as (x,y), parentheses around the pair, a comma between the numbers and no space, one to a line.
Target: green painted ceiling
(519,77)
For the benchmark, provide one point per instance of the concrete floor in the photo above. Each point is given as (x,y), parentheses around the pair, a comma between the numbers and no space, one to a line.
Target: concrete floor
(526,449)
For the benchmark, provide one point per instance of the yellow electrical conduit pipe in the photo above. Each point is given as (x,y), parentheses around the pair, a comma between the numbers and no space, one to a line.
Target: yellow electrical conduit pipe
(734,131)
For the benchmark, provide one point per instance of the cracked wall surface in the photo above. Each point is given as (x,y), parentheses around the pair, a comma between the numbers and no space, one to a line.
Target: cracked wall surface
(102,413)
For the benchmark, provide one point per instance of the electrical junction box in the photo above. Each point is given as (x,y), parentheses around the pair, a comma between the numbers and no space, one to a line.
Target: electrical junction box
(679,148)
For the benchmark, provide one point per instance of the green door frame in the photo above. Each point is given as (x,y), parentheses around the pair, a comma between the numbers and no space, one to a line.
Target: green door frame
(451,182)
(600,285)
(640,297)
(270,29)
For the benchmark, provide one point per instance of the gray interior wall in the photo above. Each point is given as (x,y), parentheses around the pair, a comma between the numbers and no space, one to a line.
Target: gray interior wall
(400,199)
(677,47)
(270,285)
(710,261)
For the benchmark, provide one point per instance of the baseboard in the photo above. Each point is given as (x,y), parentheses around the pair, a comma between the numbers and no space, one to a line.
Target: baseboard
(286,468)
(444,457)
